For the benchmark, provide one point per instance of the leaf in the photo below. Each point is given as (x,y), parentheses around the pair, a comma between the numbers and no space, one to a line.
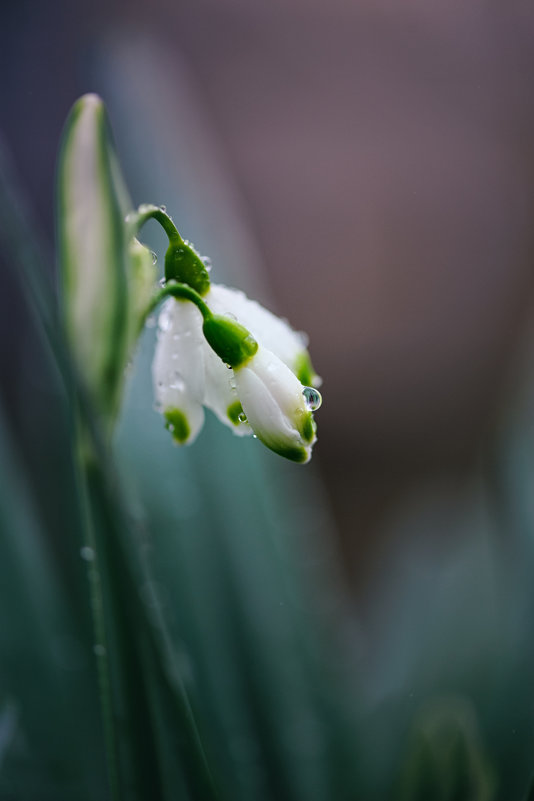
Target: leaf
(46,677)
(91,201)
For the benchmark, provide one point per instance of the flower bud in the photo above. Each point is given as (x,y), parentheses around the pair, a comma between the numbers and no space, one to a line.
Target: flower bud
(232,342)
(274,402)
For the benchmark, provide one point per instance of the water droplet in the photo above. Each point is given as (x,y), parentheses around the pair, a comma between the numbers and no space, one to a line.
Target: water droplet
(313,398)
(87,553)
(99,650)
(232,383)
(163,208)
(165,320)
(150,322)
(178,382)
(154,257)
(206,261)
(254,436)
(242,418)
(162,282)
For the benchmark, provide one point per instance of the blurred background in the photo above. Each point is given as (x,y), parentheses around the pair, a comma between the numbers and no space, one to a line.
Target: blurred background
(365,169)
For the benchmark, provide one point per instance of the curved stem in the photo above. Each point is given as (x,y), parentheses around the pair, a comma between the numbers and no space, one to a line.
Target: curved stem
(147,211)
(180,291)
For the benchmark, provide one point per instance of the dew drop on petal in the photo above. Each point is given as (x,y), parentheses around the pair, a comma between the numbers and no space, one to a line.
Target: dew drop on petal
(163,209)
(313,398)
(177,382)
(162,282)
(165,320)
(242,418)
(154,257)
(206,261)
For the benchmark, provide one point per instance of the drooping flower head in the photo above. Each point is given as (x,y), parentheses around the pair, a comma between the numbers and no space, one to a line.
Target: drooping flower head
(261,393)
(219,350)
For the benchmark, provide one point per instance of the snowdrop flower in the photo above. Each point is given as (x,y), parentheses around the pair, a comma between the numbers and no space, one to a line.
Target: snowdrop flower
(275,334)
(263,392)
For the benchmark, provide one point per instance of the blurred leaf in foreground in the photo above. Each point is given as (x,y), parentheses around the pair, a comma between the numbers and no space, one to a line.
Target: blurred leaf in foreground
(445,760)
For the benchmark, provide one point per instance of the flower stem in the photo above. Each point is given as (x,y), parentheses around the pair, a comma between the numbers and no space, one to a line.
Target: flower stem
(182,262)
(182,292)
(147,211)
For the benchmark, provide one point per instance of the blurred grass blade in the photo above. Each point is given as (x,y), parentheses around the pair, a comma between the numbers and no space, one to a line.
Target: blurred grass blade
(46,682)
(92,252)
(446,760)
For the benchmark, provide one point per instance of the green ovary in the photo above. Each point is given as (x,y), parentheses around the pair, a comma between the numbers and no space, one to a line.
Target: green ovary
(177,424)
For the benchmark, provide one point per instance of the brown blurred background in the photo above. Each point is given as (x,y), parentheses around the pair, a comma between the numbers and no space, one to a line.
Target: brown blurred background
(382,155)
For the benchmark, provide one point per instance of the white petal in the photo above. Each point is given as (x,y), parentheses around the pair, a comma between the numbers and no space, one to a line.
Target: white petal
(178,361)
(220,394)
(178,369)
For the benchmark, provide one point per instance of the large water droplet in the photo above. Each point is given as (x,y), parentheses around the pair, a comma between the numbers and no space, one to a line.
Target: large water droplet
(163,208)
(313,398)
(242,418)
(206,261)
(154,257)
